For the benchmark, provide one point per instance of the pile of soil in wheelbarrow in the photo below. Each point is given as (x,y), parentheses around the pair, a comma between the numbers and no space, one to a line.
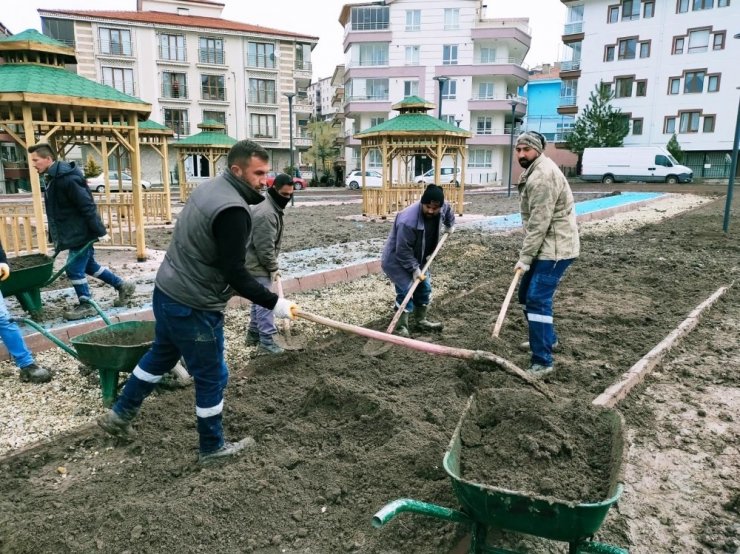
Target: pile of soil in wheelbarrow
(520,441)
(31,260)
(132,335)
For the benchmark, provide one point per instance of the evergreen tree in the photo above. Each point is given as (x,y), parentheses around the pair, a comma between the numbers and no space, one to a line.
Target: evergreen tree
(600,125)
(674,148)
(92,169)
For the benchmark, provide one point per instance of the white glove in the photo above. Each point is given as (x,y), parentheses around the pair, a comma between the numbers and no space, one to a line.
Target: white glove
(521,265)
(449,230)
(274,275)
(285,309)
(104,238)
(419,275)
(4,271)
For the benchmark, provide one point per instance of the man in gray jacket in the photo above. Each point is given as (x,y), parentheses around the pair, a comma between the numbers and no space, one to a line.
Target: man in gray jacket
(263,249)
(551,244)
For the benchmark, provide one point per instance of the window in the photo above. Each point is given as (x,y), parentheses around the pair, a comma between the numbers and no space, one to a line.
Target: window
(641,88)
(177,120)
(115,41)
(689,122)
(627,48)
(261,54)
(449,54)
(120,79)
(623,88)
(637,126)
(698,41)
(648,9)
(374,158)
(606,87)
(211,50)
(413,20)
(674,85)
(376,121)
(411,88)
(609,54)
(303,57)
(449,90)
(485,91)
(678,44)
(480,158)
(630,10)
(703,5)
(718,41)
(683,6)
(174,85)
(212,87)
(694,81)
(662,160)
(218,117)
(613,16)
(645,49)
(669,127)
(262,91)
(62,30)
(452,19)
(377,89)
(708,126)
(370,54)
(262,125)
(449,119)
(367,18)
(713,83)
(487,55)
(172,47)
(412,55)
(723,3)
(484,125)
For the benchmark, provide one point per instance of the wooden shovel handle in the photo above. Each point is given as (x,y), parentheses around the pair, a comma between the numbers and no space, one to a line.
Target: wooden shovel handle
(505,305)
(415,284)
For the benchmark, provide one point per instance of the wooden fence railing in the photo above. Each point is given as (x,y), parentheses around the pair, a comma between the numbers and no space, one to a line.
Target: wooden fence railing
(18,231)
(153,204)
(186,189)
(384,202)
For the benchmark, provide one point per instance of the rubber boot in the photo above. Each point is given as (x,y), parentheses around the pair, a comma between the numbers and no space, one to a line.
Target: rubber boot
(402,327)
(422,323)
(267,345)
(253,337)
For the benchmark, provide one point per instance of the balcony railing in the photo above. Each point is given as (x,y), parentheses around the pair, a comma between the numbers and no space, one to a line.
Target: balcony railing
(302,98)
(172,54)
(218,94)
(568,100)
(262,132)
(210,56)
(573,28)
(174,91)
(115,48)
(500,61)
(508,97)
(264,61)
(497,131)
(262,97)
(368,98)
(302,65)
(570,65)
(381,62)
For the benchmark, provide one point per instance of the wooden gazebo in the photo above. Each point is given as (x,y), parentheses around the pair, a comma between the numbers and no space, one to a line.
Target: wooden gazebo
(212,143)
(412,133)
(40,101)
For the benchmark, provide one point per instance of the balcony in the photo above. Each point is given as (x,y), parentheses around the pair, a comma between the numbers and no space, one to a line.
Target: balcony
(172,55)
(500,61)
(213,95)
(180,128)
(174,91)
(262,133)
(493,137)
(211,57)
(117,49)
(497,103)
(514,31)
(570,65)
(568,101)
(371,63)
(262,97)
(301,65)
(573,28)
(262,61)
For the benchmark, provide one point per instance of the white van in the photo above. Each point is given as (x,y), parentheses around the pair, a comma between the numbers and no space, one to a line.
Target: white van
(652,164)
(448,175)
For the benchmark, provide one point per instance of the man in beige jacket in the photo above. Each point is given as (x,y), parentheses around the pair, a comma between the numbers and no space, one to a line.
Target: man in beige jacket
(551,244)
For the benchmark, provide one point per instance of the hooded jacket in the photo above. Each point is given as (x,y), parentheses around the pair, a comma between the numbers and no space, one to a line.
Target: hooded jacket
(264,242)
(70,208)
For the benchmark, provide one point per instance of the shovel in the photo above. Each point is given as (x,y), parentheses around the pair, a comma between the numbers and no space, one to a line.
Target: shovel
(376,348)
(505,305)
(286,340)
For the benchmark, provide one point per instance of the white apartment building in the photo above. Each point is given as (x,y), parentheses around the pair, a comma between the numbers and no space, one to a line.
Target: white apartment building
(399,48)
(321,93)
(672,65)
(192,65)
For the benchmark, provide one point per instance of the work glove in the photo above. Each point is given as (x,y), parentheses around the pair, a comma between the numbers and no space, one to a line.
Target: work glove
(521,265)
(274,276)
(4,271)
(419,275)
(285,309)
(449,230)
(104,238)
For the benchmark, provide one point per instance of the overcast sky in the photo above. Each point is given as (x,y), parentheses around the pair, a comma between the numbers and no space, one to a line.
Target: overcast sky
(317,18)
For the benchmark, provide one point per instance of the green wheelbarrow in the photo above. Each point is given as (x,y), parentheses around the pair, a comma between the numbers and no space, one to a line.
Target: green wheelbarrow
(110,350)
(34,272)
(485,506)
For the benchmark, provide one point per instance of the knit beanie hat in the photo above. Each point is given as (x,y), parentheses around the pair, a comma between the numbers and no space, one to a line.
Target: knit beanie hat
(433,193)
(534,140)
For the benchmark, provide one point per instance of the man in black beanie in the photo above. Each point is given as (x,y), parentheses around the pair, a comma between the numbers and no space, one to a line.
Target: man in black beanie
(412,240)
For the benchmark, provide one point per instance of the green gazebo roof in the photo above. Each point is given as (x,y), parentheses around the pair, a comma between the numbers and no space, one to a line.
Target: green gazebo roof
(206,138)
(150,125)
(413,119)
(33,36)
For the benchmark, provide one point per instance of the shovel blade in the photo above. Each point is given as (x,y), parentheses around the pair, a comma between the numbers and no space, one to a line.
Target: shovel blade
(289,342)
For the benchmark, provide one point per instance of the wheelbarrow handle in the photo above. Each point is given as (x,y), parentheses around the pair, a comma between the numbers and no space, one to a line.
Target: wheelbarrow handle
(71,258)
(48,335)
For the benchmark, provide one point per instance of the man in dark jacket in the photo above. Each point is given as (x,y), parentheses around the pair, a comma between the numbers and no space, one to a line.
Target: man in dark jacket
(412,240)
(203,268)
(262,258)
(73,223)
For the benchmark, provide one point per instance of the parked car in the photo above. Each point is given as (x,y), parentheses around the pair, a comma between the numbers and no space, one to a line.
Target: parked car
(299,183)
(373,179)
(447,174)
(97,184)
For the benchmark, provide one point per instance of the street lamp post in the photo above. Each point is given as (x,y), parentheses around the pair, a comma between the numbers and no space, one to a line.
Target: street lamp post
(290,96)
(733,169)
(511,142)
(441,79)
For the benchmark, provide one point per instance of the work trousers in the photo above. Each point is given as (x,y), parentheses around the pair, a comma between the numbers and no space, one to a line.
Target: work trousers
(422,295)
(12,338)
(84,265)
(262,320)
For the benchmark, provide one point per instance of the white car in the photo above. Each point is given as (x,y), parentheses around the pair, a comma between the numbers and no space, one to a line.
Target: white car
(447,174)
(97,184)
(373,179)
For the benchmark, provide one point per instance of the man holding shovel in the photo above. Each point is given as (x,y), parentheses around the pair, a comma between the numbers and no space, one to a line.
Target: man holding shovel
(551,244)
(262,259)
(412,240)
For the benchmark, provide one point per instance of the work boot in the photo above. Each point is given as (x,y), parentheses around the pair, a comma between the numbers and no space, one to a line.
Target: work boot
(267,346)
(33,373)
(422,323)
(524,347)
(402,327)
(125,292)
(115,425)
(227,450)
(253,337)
(80,311)
(539,370)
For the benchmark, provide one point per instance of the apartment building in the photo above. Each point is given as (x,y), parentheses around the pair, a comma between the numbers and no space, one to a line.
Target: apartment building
(321,93)
(446,51)
(672,65)
(192,65)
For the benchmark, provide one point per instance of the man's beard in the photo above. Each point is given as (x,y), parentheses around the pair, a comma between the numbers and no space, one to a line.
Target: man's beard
(524,162)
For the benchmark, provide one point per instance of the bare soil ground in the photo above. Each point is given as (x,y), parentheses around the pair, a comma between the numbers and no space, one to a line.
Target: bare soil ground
(339,434)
